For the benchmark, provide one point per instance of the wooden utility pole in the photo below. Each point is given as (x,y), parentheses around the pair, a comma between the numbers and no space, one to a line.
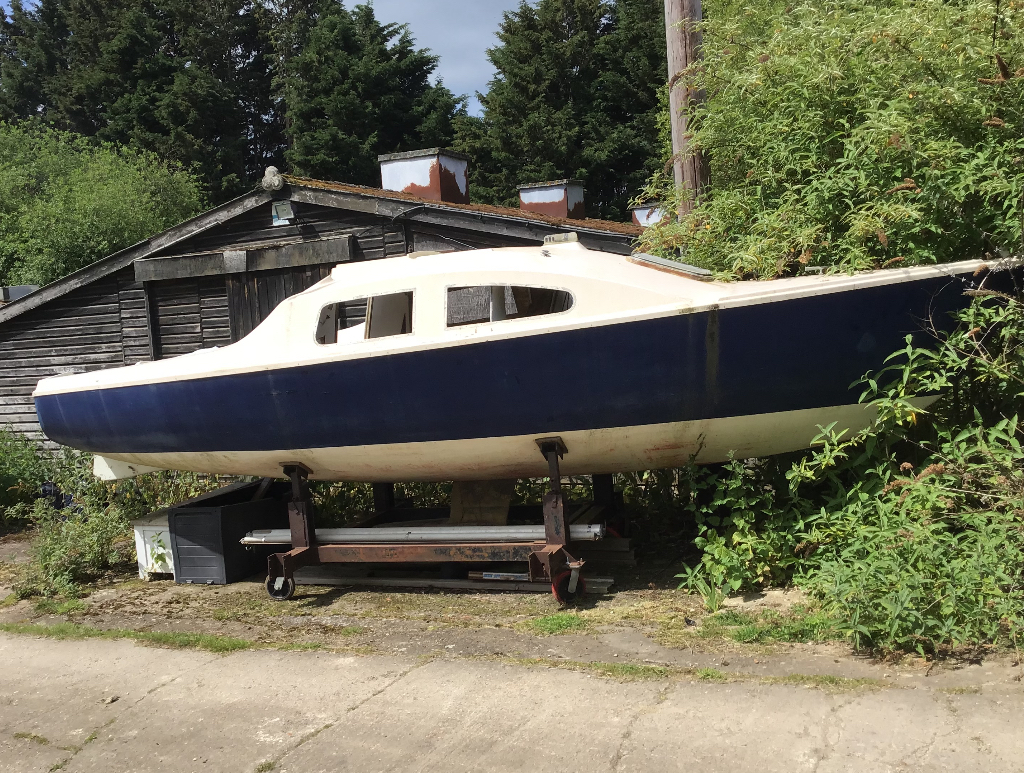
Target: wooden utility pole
(683,36)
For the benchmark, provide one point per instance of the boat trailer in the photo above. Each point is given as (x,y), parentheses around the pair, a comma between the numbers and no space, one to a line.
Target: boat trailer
(548,560)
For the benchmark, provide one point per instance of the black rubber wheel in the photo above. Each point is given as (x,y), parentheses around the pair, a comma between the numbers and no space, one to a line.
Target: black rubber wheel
(560,589)
(286,591)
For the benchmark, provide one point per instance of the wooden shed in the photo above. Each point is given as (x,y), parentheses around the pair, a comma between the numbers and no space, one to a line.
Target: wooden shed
(210,280)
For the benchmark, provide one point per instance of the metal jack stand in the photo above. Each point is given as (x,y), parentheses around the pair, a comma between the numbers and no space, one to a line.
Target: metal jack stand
(548,560)
(281,566)
(553,561)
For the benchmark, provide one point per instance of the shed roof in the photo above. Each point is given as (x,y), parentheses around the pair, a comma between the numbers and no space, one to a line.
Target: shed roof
(609,226)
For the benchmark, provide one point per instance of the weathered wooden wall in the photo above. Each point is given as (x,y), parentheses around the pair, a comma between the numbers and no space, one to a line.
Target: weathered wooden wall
(188,314)
(252,296)
(101,325)
(376,236)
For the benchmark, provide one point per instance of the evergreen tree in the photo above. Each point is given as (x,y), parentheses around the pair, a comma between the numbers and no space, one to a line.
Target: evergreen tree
(354,88)
(576,94)
(192,83)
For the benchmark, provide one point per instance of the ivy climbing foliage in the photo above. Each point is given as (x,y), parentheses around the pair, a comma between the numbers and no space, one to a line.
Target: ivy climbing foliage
(855,134)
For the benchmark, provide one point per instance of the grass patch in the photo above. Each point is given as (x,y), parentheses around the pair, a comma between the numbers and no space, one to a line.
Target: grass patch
(623,672)
(630,672)
(770,626)
(710,675)
(265,767)
(972,690)
(348,630)
(56,607)
(558,623)
(173,639)
(33,737)
(823,681)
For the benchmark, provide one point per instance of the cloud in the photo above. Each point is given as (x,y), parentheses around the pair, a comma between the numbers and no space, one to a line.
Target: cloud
(458,31)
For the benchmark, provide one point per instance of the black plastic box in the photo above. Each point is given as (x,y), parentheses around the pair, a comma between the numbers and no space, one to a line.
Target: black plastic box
(205,533)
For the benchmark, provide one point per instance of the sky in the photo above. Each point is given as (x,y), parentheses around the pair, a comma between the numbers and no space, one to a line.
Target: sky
(459,31)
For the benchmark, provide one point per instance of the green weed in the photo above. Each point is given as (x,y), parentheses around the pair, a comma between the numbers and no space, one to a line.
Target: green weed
(763,627)
(624,672)
(971,690)
(54,607)
(631,671)
(33,737)
(179,640)
(710,675)
(823,681)
(558,623)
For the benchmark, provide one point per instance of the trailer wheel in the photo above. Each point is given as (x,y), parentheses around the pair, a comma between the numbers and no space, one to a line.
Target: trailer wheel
(560,589)
(285,592)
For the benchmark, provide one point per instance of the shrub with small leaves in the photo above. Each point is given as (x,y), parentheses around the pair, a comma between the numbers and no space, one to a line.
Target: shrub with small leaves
(853,133)
(911,534)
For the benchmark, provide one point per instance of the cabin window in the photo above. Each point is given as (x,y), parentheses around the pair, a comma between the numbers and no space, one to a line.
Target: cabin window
(493,303)
(346,322)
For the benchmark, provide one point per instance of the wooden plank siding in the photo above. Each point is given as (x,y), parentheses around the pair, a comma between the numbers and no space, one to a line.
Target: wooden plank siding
(251,297)
(188,314)
(78,332)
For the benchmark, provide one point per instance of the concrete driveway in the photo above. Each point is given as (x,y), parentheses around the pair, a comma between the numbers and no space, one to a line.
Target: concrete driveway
(114,706)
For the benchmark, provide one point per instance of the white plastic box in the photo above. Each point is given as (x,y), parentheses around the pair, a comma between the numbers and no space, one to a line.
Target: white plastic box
(153,545)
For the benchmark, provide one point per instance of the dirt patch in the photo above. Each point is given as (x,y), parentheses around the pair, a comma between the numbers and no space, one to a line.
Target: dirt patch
(773,636)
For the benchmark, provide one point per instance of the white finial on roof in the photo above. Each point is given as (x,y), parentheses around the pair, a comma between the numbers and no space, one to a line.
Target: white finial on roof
(272,180)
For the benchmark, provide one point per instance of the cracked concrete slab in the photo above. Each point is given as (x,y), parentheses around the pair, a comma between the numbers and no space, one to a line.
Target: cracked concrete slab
(25,755)
(480,716)
(308,712)
(57,690)
(730,727)
(236,711)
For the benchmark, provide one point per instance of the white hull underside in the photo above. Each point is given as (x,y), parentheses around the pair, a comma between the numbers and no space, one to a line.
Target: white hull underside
(617,449)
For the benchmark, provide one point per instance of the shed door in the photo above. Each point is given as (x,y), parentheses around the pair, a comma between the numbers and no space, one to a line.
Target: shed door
(253,295)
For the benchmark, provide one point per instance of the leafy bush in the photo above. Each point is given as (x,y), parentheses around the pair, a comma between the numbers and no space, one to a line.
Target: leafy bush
(82,527)
(23,470)
(72,546)
(854,133)
(912,533)
(66,201)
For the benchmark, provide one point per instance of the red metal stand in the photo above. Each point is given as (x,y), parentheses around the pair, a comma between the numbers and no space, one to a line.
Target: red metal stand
(548,561)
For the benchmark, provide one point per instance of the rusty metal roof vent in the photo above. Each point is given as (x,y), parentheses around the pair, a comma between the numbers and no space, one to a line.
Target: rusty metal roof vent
(558,198)
(434,173)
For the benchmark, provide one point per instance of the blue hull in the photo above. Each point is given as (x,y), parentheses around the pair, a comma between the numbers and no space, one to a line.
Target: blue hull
(764,358)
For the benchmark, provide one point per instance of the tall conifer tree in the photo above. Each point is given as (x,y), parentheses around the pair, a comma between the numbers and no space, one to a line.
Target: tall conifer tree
(355,88)
(575,95)
(190,82)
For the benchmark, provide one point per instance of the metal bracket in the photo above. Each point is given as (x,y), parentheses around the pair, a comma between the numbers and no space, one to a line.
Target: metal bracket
(574,574)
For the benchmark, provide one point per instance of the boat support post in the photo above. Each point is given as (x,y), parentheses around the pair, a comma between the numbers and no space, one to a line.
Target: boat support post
(281,567)
(549,560)
(553,561)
